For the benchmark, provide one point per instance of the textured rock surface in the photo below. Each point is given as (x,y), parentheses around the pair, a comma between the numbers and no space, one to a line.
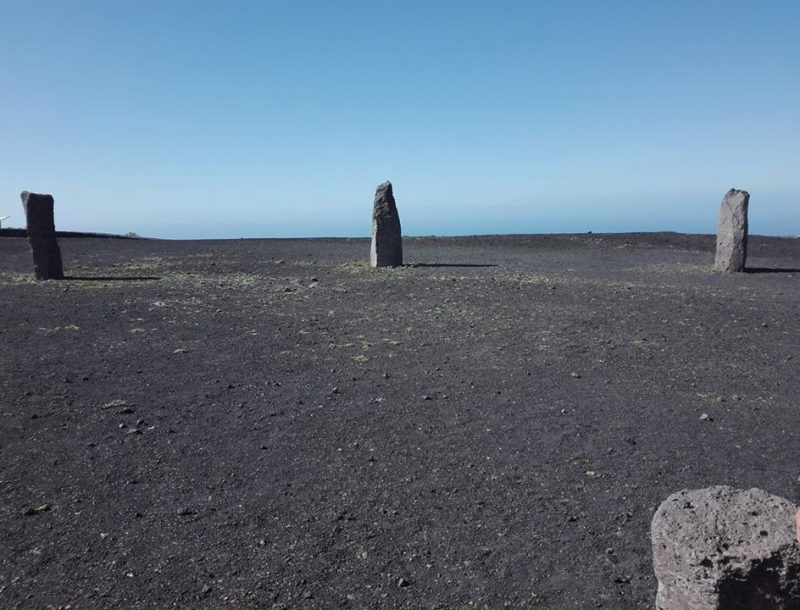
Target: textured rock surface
(386,249)
(732,232)
(722,548)
(42,236)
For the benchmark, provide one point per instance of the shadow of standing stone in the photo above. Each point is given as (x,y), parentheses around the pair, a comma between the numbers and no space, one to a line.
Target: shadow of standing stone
(42,236)
(732,232)
(721,548)
(386,249)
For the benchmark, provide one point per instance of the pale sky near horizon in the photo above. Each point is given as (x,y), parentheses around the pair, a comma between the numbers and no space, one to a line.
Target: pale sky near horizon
(177,118)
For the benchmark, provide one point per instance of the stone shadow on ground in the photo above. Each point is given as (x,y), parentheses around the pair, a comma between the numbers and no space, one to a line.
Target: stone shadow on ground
(110,278)
(449,265)
(770,270)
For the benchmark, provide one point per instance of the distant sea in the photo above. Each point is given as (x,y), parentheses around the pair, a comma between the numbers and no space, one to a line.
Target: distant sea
(302,230)
(778,220)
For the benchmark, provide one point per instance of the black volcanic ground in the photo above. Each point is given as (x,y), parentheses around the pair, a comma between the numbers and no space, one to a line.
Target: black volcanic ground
(272,424)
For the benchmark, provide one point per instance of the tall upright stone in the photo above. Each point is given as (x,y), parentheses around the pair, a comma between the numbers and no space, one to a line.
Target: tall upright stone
(386,249)
(722,548)
(732,232)
(42,236)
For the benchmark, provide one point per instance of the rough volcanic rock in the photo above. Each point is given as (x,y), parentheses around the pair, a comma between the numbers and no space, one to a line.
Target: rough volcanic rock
(42,236)
(386,249)
(732,232)
(721,548)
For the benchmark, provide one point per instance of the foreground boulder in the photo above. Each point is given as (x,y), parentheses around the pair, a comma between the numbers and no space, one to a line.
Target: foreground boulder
(42,236)
(386,249)
(722,548)
(732,232)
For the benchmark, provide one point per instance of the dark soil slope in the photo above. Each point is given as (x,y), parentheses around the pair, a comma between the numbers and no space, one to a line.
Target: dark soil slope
(272,424)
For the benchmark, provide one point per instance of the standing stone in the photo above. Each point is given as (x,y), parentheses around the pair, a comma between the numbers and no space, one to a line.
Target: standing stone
(386,249)
(42,236)
(732,232)
(722,548)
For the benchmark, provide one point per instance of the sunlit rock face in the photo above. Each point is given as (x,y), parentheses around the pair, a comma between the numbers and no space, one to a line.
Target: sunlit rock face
(732,232)
(721,548)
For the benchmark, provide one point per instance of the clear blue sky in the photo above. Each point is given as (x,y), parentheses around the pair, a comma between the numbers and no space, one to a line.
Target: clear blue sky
(278,118)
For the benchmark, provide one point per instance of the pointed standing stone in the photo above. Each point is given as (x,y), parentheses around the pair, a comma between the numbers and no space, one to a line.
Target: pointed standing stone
(42,236)
(732,232)
(386,249)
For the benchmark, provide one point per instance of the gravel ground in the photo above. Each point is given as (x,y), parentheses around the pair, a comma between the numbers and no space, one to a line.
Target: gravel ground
(272,424)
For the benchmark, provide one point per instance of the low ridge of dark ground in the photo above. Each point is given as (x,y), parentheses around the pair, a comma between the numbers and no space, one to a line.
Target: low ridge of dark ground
(272,424)
(17,232)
